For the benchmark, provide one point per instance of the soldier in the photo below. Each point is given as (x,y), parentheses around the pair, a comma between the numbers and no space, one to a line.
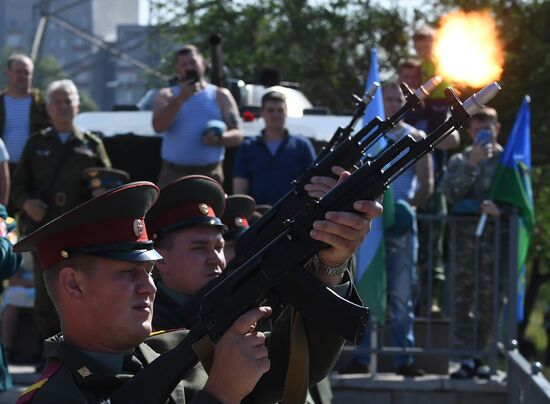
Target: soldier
(48,180)
(467,186)
(238,211)
(98,261)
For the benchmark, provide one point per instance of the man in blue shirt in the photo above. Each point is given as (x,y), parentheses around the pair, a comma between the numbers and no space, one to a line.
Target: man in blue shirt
(266,165)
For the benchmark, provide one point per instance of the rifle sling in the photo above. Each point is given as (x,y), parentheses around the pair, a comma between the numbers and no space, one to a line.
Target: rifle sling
(297,376)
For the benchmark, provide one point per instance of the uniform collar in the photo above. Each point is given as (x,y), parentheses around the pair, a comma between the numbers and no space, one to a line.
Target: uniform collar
(76,133)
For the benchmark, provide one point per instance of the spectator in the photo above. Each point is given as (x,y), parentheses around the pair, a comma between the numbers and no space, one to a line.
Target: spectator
(197,121)
(22,109)
(266,165)
(9,264)
(466,186)
(48,180)
(411,189)
(430,233)
(103,289)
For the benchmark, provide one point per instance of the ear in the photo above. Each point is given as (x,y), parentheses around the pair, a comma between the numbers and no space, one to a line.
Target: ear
(70,283)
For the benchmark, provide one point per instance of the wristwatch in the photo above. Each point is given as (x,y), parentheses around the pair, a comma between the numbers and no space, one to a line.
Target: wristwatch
(319,267)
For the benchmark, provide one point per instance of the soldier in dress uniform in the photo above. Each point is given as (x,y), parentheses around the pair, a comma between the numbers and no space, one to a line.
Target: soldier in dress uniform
(238,211)
(98,260)
(47,181)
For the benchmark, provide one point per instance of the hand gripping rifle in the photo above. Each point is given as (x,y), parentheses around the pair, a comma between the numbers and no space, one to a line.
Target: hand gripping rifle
(279,266)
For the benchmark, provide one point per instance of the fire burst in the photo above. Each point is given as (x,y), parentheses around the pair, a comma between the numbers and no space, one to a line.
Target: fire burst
(467,50)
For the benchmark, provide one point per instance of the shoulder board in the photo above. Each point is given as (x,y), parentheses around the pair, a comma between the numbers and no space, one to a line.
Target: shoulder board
(155,333)
(44,132)
(51,369)
(92,136)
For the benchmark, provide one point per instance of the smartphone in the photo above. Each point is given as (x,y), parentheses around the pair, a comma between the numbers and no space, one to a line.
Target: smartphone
(484,136)
(192,76)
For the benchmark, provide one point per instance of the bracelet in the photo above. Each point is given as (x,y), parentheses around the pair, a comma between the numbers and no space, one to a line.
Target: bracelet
(319,267)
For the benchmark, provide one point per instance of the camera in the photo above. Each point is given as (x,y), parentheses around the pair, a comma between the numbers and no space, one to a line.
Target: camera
(191,75)
(484,136)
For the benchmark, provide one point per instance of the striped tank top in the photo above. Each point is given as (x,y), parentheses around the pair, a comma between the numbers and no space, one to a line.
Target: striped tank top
(182,142)
(18,125)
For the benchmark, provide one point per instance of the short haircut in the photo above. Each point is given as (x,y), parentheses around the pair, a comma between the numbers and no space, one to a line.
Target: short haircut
(409,64)
(273,96)
(79,262)
(188,49)
(424,32)
(66,85)
(486,114)
(17,56)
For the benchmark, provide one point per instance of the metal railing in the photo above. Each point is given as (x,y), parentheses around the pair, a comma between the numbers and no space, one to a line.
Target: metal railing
(504,279)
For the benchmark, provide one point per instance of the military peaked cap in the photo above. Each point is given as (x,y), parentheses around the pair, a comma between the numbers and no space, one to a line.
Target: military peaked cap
(111,226)
(187,201)
(103,177)
(238,210)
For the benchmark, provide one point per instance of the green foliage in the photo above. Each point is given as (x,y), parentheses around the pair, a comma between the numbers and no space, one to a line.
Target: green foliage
(323,46)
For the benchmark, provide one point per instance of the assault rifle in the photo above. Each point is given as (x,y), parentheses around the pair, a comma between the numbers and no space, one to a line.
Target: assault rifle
(348,151)
(344,133)
(278,267)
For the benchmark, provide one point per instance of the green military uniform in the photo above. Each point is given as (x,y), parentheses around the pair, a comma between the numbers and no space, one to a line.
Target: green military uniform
(34,178)
(40,160)
(101,228)
(75,376)
(466,187)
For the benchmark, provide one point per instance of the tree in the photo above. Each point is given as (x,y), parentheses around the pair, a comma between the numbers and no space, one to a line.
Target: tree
(324,47)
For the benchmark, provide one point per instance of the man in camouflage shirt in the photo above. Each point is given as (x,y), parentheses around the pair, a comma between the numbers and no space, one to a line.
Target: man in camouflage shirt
(466,186)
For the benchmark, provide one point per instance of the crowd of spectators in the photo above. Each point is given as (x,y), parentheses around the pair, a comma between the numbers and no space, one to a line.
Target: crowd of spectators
(48,166)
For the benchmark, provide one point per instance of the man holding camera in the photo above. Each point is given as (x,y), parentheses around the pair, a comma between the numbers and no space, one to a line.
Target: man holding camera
(197,119)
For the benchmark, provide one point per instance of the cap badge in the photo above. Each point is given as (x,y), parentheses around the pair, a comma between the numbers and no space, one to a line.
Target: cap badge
(203,207)
(84,372)
(95,183)
(64,254)
(239,221)
(138,227)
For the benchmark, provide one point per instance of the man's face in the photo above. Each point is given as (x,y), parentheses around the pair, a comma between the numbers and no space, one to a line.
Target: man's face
(274,114)
(410,76)
(189,61)
(475,126)
(119,299)
(393,100)
(19,75)
(61,108)
(196,257)
(423,48)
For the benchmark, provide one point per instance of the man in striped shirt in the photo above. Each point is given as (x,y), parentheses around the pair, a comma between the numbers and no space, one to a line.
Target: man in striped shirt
(22,109)
(198,120)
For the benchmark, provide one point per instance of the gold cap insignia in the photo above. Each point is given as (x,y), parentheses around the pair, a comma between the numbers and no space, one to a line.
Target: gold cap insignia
(95,183)
(239,221)
(138,227)
(64,254)
(84,372)
(203,207)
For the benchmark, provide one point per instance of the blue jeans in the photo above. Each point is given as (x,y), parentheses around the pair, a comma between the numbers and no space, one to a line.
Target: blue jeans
(401,257)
